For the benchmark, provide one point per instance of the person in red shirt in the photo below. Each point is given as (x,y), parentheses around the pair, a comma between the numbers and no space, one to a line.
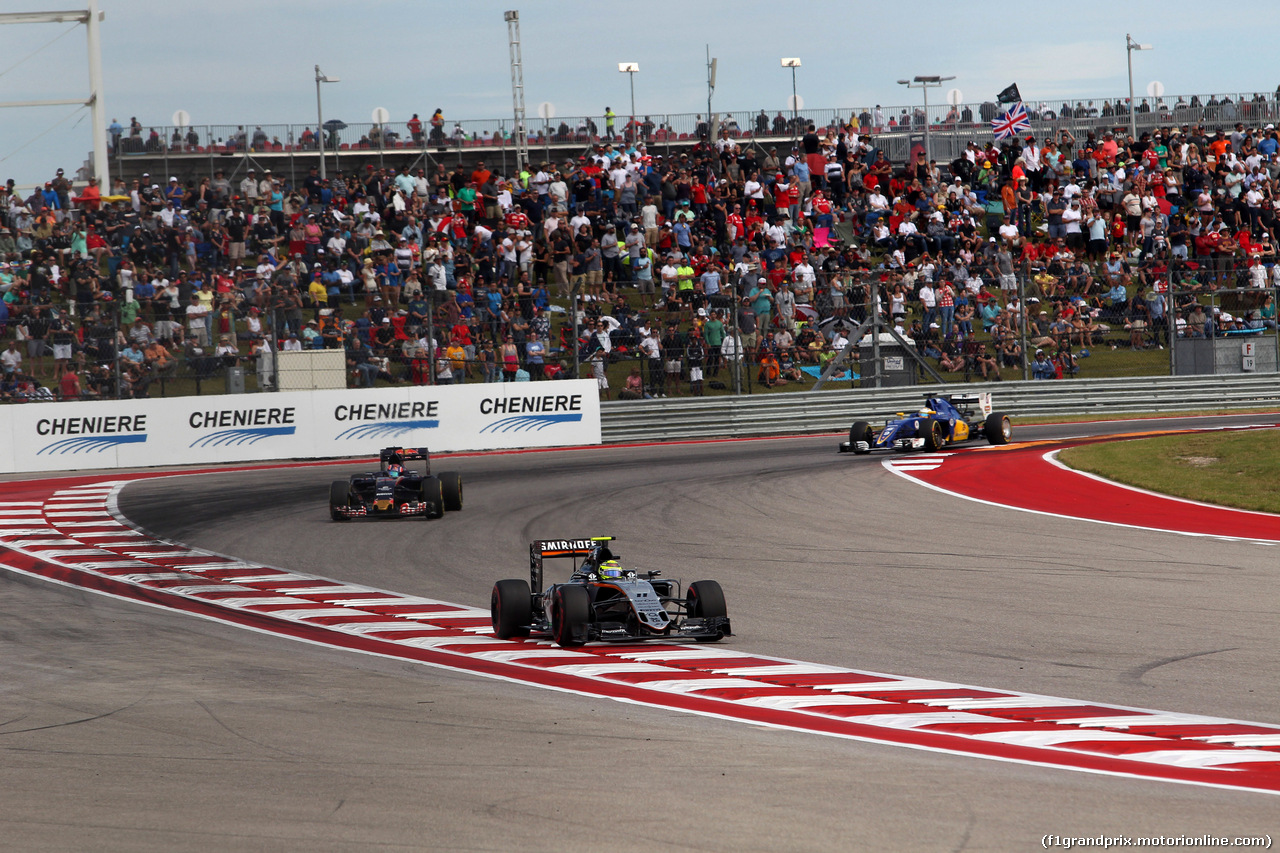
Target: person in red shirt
(1030,254)
(821,210)
(793,200)
(459,226)
(69,386)
(1117,230)
(415,129)
(700,261)
(777,275)
(737,227)
(698,192)
(517,220)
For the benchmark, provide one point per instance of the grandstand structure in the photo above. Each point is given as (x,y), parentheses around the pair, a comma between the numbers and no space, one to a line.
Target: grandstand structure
(290,149)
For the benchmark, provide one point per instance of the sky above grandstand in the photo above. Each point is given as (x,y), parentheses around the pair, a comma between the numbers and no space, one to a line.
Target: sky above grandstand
(251,61)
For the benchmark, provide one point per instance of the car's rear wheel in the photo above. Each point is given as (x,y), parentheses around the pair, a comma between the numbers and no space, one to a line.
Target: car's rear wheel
(860,431)
(570,612)
(338,491)
(997,428)
(511,608)
(451,485)
(935,437)
(705,599)
(433,496)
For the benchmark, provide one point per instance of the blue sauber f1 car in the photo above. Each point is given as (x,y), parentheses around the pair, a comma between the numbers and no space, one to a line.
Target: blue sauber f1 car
(396,491)
(602,601)
(944,420)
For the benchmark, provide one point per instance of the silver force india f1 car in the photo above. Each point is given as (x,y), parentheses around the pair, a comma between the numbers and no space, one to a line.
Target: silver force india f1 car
(602,601)
(396,491)
(943,420)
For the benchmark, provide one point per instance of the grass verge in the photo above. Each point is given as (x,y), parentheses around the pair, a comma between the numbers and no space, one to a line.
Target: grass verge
(1236,469)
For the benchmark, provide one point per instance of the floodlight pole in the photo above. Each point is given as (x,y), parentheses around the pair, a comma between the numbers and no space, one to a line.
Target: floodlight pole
(630,69)
(923,82)
(793,62)
(512,17)
(97,112)
(321,78)
(1129,47)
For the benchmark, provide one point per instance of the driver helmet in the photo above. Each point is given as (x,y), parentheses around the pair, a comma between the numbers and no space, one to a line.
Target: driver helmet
(926,412)
(395,470)
(611,570)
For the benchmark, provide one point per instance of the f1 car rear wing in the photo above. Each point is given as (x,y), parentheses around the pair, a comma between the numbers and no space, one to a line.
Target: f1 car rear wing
(401,455)
(982,400)
(541,549)
(406,454)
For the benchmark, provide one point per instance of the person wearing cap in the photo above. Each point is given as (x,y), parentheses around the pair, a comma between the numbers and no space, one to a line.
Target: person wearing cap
(248,186)
(1042,367)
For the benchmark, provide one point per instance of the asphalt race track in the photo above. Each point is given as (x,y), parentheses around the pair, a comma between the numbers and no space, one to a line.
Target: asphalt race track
(125,727)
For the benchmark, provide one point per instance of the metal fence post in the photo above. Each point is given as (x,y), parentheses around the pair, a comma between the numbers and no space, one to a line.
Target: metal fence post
(115,346)
(1023,321)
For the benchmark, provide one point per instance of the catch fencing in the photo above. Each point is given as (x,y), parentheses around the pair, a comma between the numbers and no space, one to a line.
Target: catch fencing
(805,413)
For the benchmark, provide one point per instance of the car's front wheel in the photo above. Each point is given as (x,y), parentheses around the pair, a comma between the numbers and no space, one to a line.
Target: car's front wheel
(860,431)
(935,436)
(433,497)
(705,599)
(338,499)
(997,428)
(451,487)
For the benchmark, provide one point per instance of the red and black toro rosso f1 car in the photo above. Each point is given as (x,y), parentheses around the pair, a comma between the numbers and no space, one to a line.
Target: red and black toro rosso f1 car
(602,601)
(396,491)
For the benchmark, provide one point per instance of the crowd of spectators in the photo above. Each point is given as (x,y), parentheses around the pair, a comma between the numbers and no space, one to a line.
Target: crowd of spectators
(680,266)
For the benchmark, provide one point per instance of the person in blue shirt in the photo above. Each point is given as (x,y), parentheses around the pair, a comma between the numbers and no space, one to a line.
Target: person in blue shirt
(143,290)
(466,305)
(1042,367)
(761,301)
(332,282)
(535,354)
(1118,297)
(682,232)
(1268,147)
(990,314)
(50,197)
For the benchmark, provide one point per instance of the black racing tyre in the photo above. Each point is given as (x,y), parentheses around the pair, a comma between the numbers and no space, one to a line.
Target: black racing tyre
(706,599)
(433,494)
(511,607)
(570,612)
(935,437)
(860,431)
(451,485)
(338,490)
(997,428)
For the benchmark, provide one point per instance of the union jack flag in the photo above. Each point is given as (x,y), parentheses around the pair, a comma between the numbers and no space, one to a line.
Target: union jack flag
(1011,122)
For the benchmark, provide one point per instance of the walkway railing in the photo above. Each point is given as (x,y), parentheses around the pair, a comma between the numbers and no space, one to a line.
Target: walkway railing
(950,127)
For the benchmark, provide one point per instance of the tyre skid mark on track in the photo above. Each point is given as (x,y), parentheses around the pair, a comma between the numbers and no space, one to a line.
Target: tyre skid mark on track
(714,681)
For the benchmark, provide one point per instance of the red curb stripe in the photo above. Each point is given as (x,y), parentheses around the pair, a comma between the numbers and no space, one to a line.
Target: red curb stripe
(899,718)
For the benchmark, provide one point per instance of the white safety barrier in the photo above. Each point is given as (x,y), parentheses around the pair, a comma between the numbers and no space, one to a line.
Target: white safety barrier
(297,425)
